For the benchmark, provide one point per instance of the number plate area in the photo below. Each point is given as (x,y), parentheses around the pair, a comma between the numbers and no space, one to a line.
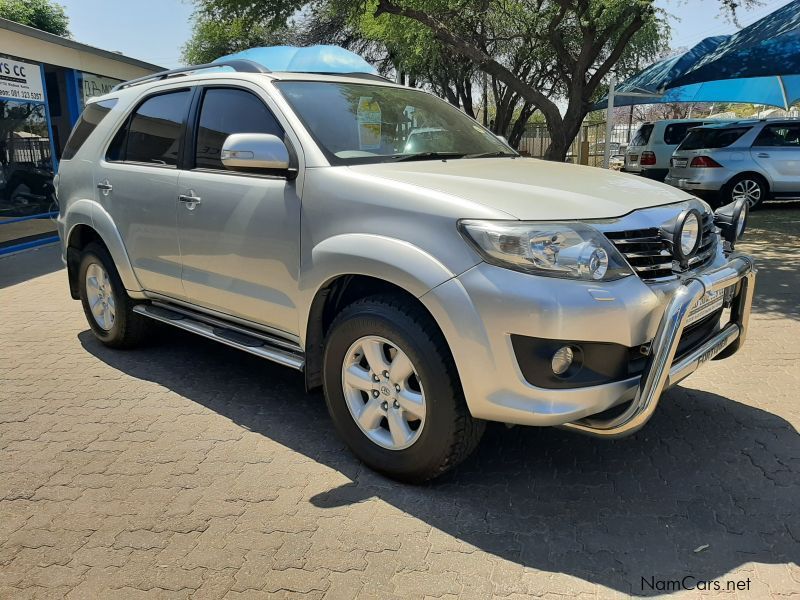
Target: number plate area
(709,303)
(680,162)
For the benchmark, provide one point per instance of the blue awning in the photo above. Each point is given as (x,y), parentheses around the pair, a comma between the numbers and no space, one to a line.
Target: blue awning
(759,64)
(309,59)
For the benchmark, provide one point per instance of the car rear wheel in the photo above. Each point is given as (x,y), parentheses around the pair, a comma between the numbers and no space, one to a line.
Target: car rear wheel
(750,187)
(108,308)
(393,392)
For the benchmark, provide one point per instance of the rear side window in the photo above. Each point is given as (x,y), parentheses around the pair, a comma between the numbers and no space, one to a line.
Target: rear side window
(90,119)
(642,135)
(709,139)
(779,135)
(226,111)
(676,132)
(152,134)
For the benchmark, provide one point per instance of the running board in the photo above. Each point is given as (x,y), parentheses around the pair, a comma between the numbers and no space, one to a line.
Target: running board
(263,345)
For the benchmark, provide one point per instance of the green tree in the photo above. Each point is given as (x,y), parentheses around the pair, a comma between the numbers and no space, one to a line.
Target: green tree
(41,14)
(537,55)
(212,38)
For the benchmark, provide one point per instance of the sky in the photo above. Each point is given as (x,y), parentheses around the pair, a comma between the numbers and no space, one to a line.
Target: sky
(155,30)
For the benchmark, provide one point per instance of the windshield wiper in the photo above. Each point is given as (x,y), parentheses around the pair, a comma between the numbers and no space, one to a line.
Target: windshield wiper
(427,156)
(497,153)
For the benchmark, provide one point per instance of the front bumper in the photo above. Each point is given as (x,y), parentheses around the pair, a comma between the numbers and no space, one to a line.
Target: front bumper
(480,310)
(661,371)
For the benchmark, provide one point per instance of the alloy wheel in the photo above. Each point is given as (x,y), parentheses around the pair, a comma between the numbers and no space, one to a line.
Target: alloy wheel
(100,296)
(383,392)
(748,189)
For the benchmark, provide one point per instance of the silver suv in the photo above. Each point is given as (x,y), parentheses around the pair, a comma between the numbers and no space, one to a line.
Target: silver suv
(427,287)
(753,160)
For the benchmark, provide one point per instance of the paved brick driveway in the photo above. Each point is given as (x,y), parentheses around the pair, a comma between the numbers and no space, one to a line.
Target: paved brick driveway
(192,470)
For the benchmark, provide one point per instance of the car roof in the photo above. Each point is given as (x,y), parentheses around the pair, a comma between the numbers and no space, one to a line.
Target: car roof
(204,75)
(752,123)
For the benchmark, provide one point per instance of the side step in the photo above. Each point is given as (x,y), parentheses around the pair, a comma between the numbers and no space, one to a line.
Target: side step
(255,342)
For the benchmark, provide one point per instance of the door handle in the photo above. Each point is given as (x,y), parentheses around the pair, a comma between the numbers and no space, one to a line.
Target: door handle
(190,199)
(762,155)
(105,187)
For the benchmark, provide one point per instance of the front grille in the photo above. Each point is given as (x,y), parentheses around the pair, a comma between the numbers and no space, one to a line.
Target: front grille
(649,251)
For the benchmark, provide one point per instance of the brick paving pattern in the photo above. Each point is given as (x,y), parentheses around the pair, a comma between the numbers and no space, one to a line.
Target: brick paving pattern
(190,470)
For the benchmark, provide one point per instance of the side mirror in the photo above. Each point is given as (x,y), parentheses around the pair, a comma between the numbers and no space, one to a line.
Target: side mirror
(502,138)
(254,151)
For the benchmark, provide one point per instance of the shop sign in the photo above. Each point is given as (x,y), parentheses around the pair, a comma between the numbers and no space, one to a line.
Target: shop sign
(95,85)
(20,81)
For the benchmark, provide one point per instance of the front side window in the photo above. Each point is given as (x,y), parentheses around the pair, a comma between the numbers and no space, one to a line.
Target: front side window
(153,133)
(779,135)
(676,132)
(226,111)
(90,119)
(366,123)
(710,139)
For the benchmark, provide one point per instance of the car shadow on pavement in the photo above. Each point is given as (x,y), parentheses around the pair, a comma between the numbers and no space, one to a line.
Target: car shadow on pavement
(772,237)
(706,471)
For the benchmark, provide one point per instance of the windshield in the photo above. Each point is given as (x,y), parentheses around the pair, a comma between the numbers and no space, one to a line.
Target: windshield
(361,123)
(709,139)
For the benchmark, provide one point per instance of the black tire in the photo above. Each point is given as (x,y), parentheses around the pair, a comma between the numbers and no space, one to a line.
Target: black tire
(449,433)
(728,194)
(129,329)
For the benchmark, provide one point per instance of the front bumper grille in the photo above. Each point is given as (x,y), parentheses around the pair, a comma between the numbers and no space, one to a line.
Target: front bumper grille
(649,251)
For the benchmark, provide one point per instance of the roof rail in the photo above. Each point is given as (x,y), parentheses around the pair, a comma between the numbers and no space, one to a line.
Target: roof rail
(239,65)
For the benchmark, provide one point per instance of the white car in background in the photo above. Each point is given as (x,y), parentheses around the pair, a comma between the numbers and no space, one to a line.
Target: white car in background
(651,148)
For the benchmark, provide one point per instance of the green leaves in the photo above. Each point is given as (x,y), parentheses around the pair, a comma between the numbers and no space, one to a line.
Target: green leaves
(41,14)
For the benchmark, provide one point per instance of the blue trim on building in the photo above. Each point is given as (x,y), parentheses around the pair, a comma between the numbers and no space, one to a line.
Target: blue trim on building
(28,245)
(47,215)
(48,118)
(73,80)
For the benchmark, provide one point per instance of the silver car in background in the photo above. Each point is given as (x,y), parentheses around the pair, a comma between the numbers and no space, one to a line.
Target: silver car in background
(752,159)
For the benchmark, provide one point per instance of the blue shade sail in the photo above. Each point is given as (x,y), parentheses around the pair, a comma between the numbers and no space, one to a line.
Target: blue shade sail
(759,64)
(309,59)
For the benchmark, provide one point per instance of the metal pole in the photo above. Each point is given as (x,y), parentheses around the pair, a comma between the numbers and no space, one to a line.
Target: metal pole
(609,123)
(783,92)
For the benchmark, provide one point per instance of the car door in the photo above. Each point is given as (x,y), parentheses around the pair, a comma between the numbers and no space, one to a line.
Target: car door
(239,231)
(137,183)
(777,151)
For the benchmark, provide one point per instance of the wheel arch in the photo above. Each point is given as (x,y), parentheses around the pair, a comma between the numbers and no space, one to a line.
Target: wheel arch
(751,173)
(350,267)
(87,223)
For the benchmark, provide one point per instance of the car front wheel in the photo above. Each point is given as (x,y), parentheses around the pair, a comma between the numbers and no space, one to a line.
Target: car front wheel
(393,392)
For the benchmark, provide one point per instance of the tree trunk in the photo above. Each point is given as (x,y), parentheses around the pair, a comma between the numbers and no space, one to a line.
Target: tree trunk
(518,128)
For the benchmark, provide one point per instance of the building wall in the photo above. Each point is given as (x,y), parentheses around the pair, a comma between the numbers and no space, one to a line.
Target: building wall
(34,127)
(52,52)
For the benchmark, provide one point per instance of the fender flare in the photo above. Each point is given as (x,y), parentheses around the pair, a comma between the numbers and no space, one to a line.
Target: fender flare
(389,259)
(91,214)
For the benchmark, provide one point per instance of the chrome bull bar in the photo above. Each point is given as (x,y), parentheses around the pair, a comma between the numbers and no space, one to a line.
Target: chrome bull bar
(661,370)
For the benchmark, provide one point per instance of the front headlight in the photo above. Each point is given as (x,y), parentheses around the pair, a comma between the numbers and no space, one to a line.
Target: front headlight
(567,250)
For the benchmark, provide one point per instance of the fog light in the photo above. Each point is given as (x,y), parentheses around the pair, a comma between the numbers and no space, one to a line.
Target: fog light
(562,360)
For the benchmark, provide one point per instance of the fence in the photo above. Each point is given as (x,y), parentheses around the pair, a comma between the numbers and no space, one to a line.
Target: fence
(592,137)
(27,150)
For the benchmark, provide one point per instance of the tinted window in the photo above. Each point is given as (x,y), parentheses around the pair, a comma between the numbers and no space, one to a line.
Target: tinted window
(90,119)
(708,139)
(642,135)
(674,134)
(226,111)
(154,131)
(779,135)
